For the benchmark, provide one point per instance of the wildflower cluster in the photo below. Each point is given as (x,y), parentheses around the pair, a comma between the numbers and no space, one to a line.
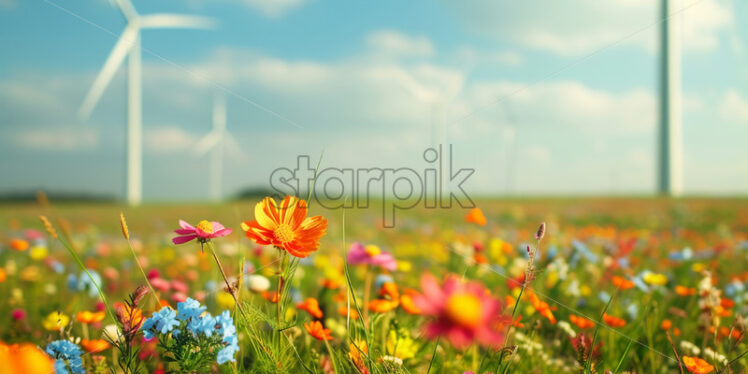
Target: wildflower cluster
(67,356)
(191,337)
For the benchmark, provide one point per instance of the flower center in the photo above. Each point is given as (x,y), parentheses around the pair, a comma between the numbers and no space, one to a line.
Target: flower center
(283,233)
(464,309)
(206,226)
(372,250)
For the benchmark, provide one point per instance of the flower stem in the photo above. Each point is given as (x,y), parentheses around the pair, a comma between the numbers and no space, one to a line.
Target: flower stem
(367,293)
(332,357)
(148,282)
(226,279)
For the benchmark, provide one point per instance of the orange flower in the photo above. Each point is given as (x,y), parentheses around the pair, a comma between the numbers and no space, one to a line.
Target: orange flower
(88,318)
(389,289)
(476,216)
(316,330)
(542,307)
(382,305)
(24,358)
(480,258)
(666,324)
(19,244)
(344,311)
(622,283)
(613,321)
(3,276)
(286,227)
(697,365)
(95,345)
(271,296)
(685,291)
(331,284)
(581,322)
(726,303)
(311,305)
(406,301)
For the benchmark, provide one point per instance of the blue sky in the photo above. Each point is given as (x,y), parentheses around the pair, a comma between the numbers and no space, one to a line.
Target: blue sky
(365,81)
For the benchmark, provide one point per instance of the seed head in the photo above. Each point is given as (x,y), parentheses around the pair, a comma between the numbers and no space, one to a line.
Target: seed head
(541,232)
(48,226)
(123,225)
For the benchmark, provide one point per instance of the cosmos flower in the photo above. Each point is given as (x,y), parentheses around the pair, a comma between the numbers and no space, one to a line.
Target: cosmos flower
(286,227)
(203,232)
(613,321)
(371,255)
(24,358)
(696,365)
(95,345)
(311,306)
(476,216)
(622,283)
(87,317)
(464,312)
(316,330)
(19,245)
(581,322)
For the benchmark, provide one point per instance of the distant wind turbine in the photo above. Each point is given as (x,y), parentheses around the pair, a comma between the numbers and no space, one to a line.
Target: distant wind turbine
(128,45)
(215,141)
(670,163)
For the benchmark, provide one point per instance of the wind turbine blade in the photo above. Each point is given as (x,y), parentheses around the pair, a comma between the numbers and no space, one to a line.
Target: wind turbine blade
(128,10)
(153,21)
(233,146)
(120,50)
(207,143)
(219,112)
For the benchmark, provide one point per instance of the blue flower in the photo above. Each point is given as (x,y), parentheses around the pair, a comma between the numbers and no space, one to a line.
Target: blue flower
(67,355)
(189,308)
(226,354)
(163,322)
(204,325)
(83,282)
(382,279)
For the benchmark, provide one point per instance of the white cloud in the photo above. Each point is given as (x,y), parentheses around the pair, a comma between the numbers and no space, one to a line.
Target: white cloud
(273,8)
(67,139)
(168,139)
(734,108)
(578,27)
(468,56)
(390,42)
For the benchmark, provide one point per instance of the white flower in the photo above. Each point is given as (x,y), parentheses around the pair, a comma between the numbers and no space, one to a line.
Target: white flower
(257,283)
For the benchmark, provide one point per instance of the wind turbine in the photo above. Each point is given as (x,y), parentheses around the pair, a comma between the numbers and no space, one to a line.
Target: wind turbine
(128,45)
(215,141)
(670,162)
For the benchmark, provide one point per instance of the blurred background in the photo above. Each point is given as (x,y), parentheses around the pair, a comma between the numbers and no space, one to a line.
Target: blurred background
(540,98)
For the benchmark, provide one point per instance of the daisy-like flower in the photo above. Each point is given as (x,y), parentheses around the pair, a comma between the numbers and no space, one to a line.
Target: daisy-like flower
(316,330)
(371,255)
(286,226)
(697,365)
(464,312)
(203,232)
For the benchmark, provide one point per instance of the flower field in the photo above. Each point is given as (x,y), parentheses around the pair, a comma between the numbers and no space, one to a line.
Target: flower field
(513,286)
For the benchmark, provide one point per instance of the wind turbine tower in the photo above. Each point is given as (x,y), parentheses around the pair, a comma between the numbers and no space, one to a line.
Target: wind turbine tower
(670,163)
(128,45)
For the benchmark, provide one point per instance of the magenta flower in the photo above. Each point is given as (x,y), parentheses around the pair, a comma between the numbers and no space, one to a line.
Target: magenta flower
(465,313)
(371,255)
(204,231)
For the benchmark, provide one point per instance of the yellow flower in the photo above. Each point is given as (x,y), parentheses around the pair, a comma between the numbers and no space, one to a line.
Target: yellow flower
(55,321)
(401,345)
(404,266)
(655,279)
(225,300)
(38,253)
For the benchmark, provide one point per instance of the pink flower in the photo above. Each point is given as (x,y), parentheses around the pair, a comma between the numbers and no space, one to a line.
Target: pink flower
(371,255)
(465,313)
(203,232)
(18,314)
(160,284)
